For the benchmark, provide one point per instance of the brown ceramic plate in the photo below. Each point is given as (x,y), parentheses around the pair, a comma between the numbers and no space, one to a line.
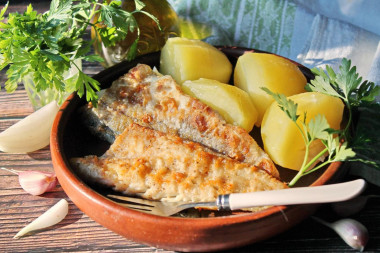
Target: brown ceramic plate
(69,138)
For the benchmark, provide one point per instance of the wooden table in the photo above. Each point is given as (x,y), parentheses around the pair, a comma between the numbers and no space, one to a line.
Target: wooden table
(78,233)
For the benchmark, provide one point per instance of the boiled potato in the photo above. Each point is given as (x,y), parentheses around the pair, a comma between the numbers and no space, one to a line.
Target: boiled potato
(186,59)
(232,103)
(256,70)
(283,140)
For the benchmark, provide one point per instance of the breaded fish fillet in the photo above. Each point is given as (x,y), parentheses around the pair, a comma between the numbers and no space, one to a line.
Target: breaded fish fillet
(152,100)
(155,165)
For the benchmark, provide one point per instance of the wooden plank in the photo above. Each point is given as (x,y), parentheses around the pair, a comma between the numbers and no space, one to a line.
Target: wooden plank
(78,233)
(14,105)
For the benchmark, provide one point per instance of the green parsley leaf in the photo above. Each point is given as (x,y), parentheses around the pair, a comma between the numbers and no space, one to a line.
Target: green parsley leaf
(346,85)
(286,105)
(132,50)
(3,10)
(342,152)
(139,5)
(317,128)
(43,46)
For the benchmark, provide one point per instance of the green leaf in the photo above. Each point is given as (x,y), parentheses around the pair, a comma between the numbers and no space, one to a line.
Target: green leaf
(347,79)
(343,152)
(317,127)
(139,5)
(40,79)
(60,10)
(52,55)
(285,104)
(15,74)
(115,17)
(347,84)
(132,52)
(29,10)
(322,84)
(93,58)
(367,92)
(89,85)
(3,10)
(5,43)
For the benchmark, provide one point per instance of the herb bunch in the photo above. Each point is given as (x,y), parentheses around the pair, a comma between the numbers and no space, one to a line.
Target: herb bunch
(346,85)
(45,46)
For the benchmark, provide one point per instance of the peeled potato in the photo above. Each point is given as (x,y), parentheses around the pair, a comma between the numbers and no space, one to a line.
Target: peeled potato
(186,59)
(232,103)
(283,140)
(256,70)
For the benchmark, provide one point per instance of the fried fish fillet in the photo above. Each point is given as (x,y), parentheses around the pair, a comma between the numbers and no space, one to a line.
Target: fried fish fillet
(160,166)
(155,101)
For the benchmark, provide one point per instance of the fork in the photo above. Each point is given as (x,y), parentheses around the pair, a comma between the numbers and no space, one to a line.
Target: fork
(234,201)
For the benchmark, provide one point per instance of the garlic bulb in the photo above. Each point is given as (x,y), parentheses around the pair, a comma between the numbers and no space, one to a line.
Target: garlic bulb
(31,133)
(51,217)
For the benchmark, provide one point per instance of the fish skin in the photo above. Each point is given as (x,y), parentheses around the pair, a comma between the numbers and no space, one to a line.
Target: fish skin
(91,121)
(160,166)
(150,99)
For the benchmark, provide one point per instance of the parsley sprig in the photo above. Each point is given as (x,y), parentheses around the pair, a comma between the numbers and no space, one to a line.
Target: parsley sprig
(45,46)
(346,85)
(317,129)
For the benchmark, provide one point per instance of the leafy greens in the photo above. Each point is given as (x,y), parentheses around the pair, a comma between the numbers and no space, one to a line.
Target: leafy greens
(45,46)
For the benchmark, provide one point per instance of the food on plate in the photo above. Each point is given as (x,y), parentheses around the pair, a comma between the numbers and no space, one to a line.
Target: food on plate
(232,103)
(256,70)
(281,137)
(163,166)
(149,99)
(187,59)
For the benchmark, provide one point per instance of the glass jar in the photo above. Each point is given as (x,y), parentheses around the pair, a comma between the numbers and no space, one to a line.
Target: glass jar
(152,39)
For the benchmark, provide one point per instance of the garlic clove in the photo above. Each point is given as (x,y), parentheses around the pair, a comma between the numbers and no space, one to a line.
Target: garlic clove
(36,182)
(31,133)
(351,231)
(51,217)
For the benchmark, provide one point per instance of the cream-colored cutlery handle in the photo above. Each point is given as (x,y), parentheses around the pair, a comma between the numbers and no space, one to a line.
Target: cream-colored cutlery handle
(298,195)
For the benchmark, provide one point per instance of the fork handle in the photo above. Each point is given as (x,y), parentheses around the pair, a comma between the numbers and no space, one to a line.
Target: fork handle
(292,196)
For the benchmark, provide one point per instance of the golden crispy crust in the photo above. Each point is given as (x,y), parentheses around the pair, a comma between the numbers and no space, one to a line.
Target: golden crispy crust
(155,101)
(155,165)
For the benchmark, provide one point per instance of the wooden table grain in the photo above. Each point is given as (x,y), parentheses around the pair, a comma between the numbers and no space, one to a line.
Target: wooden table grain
(78,233)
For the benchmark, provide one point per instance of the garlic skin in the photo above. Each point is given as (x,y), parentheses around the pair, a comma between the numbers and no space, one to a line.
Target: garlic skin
(51,217)
(36,182)
(31,133)
(351,231)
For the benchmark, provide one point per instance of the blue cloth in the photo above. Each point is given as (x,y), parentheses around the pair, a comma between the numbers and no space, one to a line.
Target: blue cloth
(312,32)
